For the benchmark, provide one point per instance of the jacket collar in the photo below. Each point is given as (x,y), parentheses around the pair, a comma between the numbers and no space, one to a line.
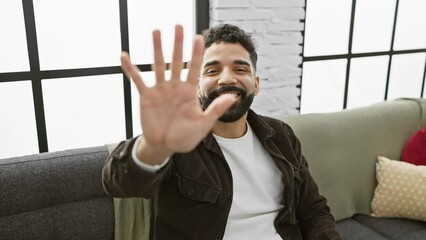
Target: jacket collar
(262,130)
(265,133)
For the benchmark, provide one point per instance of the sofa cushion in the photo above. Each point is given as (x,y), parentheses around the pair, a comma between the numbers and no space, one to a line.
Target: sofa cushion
(394,228)
(401,190)
(364,227)
(42,180)
(87,219)
(57,195)
(341,148)
(350,229)
(415,149)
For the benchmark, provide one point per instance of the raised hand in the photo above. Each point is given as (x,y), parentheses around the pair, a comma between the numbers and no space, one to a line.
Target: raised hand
(171,116)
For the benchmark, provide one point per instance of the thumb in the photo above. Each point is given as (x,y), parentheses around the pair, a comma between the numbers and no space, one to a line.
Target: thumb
(218,107)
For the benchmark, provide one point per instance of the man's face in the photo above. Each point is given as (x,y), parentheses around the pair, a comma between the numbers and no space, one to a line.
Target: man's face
(227,69)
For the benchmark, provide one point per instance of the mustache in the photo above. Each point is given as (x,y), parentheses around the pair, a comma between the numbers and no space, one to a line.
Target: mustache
(217,92)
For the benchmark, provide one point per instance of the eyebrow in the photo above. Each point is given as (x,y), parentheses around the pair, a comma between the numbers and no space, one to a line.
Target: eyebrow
(238,62)
(242,62)
(211,63)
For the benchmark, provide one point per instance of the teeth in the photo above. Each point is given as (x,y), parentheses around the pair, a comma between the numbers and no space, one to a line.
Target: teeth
(234,94)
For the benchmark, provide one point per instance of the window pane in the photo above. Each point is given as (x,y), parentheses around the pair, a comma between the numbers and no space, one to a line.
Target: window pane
(327,30)
(406,75)
(13,47)
(17,122)
(367,81)
(84,111)
(78,33)
(149,80)
(410,26)
(323,85)
(373,25)
(146,16)
(424,85)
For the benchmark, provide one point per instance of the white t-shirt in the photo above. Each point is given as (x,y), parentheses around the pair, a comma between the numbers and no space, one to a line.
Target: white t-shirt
(257,185)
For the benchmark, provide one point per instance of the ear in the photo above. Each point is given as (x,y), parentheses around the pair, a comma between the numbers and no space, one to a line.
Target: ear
(257,84)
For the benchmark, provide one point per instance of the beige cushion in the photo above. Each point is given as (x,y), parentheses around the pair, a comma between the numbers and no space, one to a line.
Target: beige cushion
(401,190)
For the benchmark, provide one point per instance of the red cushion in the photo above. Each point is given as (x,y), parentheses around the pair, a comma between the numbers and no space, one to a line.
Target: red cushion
(415,149)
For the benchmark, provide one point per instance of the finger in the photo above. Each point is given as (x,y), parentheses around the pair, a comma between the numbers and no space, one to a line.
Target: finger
(196,60)
(132,72)
(217,108)
(159,65)
(177,63)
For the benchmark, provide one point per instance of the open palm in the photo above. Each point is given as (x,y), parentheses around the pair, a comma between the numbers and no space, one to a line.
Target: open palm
(171,116)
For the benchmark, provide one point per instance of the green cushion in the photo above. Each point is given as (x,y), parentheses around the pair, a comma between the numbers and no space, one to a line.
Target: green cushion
(132,215)
(342,148)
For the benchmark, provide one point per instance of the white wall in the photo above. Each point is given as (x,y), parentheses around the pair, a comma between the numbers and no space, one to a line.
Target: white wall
(277,31)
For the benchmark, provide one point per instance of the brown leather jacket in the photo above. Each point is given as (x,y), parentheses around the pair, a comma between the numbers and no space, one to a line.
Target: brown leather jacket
(195,188)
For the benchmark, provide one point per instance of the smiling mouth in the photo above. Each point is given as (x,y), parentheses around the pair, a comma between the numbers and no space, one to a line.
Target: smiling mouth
(234,91)
(235,94)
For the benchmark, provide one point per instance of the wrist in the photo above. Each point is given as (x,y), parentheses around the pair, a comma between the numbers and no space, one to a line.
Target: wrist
(152,155)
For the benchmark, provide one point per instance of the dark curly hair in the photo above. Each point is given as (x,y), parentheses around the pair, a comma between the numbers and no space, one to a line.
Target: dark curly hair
(230,34)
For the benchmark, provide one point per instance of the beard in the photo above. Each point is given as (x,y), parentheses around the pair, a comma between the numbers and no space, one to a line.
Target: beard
(237,110)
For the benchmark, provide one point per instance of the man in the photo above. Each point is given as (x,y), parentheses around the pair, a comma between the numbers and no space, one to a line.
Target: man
(218,169)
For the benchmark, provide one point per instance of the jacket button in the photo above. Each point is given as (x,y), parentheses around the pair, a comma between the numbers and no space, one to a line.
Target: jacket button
(191,192)
(218,237)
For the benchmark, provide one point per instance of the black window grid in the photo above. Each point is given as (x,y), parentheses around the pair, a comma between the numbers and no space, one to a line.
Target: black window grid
(35,75)
(349,56)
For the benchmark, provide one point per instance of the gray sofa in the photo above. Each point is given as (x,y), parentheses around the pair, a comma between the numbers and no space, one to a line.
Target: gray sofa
(59,195)
(55,195)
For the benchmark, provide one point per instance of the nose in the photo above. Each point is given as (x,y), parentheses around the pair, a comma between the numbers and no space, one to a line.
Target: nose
(226,77)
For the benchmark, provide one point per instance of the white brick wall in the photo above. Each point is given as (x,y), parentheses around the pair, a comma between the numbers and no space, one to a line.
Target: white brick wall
(276,28)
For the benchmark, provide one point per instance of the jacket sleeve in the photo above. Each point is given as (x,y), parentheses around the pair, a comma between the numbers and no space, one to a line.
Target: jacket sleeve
(123,178)
(315,220)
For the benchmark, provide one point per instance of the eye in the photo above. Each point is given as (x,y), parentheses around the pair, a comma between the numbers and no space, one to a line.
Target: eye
(240,70)
(211,72)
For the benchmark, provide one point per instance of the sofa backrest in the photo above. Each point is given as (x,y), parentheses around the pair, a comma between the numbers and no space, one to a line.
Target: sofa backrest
(55,195)
(342,148)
